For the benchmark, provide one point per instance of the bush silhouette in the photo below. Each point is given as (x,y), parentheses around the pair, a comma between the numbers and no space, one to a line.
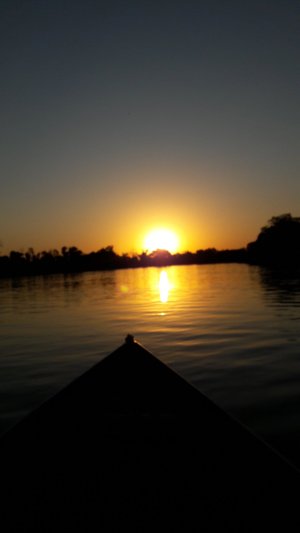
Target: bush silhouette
(278,242)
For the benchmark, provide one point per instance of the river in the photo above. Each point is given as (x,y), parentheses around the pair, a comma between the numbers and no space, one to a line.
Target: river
(232,330)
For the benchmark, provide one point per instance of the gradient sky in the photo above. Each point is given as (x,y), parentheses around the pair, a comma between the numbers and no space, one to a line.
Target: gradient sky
(121,116)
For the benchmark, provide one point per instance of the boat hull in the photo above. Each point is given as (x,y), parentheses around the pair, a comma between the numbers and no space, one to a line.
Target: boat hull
(130,444)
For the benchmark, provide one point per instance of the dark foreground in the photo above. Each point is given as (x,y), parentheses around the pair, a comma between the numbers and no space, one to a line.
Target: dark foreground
(131,446)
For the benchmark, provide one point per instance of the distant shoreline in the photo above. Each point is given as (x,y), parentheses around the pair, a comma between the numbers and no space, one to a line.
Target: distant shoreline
(73,261)
(277,245)
(97,262)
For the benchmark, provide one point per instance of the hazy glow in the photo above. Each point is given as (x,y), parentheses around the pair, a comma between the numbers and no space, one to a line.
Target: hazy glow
(164,286)
(161,239)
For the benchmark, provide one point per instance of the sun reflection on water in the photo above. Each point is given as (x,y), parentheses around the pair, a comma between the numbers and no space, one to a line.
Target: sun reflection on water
(164,286)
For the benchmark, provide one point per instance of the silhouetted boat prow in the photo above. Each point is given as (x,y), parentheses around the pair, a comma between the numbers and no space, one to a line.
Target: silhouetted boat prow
(131,445)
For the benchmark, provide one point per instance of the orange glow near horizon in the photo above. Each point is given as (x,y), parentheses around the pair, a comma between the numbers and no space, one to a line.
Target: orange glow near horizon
(161,239)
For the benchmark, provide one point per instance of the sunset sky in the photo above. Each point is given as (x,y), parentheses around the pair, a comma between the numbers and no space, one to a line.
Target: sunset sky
(118,117)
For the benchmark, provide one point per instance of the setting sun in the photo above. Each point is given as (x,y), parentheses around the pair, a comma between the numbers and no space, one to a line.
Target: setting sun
(161,239)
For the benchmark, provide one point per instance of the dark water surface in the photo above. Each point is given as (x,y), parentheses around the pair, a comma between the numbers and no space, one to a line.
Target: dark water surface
(231,330)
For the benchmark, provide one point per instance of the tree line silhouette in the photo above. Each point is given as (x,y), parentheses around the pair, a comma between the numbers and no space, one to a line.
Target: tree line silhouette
(278,243)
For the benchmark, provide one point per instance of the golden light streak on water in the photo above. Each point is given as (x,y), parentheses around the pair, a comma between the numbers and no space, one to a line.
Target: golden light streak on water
(164,286)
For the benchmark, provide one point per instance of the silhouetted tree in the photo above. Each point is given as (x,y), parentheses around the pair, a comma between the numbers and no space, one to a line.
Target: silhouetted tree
(278,243)
(74,252)
(106,258)
(160,258)
(210,255)
(29,255)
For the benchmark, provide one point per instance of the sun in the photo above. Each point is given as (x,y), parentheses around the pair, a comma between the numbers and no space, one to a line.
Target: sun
(161,239)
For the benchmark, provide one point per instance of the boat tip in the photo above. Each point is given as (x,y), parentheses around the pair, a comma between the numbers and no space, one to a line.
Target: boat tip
(129,339)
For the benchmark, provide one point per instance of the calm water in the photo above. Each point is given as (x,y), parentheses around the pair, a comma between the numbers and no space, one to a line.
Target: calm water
(232,330)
